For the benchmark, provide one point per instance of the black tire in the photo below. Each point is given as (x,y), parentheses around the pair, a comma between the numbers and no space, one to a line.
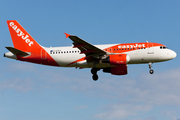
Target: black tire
(95,77)
(151,71)
(94,71)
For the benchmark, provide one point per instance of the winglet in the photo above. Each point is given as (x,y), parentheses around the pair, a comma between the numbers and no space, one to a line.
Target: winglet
(67,35)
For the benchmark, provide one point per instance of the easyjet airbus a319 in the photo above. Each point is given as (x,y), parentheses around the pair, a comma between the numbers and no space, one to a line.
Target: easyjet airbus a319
(111,58)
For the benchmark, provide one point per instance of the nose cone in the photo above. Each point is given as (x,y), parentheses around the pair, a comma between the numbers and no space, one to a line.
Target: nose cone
(173,54)
(167,54)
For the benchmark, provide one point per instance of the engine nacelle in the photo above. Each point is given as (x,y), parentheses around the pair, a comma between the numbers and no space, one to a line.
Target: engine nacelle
(117,59)
(119,70)
(120,64)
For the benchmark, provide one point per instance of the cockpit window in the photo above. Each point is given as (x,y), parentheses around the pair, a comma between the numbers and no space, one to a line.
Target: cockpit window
(163,47)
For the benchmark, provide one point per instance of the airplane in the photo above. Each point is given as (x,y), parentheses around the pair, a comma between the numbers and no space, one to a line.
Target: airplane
(111,58)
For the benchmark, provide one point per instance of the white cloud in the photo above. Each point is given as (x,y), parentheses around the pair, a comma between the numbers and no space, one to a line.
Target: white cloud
(121,111)
(150,90)
(20,66)
(160,88)
(17,84)
(157,89)
(171,114)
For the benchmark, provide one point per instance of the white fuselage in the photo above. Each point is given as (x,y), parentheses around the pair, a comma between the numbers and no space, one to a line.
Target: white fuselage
(65,56)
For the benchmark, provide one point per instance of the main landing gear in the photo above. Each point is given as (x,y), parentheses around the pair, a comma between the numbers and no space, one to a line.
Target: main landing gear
(94,72)
(150,67)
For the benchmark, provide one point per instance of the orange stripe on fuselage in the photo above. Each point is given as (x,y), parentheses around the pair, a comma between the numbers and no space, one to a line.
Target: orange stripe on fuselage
(36,57)
(125,47)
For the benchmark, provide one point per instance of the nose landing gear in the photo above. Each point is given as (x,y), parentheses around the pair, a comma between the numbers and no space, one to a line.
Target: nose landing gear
(150,67)
(94,72)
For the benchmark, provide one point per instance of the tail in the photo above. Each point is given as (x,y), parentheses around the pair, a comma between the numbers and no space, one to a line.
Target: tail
(22,40)
(25,47)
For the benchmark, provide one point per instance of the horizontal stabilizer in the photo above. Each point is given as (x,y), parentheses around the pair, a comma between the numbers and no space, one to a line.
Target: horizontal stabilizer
(17,52)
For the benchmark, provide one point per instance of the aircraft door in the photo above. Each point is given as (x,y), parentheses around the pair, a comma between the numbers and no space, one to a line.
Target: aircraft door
(150,48)
(43,54)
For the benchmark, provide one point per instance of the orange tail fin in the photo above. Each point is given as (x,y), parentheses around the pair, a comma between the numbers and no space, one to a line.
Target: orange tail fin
(22,40)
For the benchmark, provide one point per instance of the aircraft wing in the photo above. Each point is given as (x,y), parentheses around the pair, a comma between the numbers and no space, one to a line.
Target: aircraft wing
(85,47)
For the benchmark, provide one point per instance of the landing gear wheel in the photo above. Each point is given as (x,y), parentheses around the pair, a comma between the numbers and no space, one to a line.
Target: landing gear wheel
(94,71)
(95,77)
(151,71)
(150,66)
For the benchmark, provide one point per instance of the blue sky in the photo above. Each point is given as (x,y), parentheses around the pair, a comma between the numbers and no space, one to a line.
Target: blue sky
(35,92)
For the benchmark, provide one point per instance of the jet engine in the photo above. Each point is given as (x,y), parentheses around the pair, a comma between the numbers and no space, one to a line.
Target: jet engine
(119,62)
